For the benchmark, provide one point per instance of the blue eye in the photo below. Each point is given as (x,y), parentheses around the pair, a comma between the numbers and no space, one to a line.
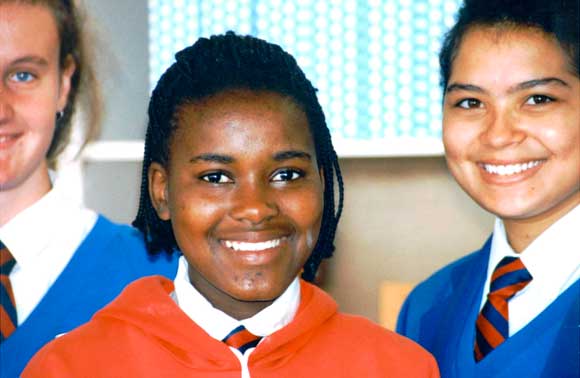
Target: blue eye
(469,103)
(287,175)
(216,178)
(538,100)
(23,77)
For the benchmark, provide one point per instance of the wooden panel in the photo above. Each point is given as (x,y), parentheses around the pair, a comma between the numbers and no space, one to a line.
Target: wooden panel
(392,294)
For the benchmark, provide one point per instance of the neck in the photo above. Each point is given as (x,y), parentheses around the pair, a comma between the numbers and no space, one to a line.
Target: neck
(522,232)
(17,198)
(238,309)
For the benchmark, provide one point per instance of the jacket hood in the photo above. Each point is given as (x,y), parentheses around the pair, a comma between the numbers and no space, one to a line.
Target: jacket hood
(146,304)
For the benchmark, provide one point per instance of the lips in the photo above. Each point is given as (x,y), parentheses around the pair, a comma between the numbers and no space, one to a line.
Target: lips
(6,140)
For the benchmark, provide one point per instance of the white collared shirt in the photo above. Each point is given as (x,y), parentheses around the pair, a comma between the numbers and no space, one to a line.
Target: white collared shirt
(219,324)
(553,260)
(43,238)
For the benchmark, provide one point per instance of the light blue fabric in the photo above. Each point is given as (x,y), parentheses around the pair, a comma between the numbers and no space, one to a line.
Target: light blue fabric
(440,315)
(109,258)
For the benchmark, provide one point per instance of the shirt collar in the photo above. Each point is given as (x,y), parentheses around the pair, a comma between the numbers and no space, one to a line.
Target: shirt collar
(219,324)
(32,230)
(28,233)
(551,258)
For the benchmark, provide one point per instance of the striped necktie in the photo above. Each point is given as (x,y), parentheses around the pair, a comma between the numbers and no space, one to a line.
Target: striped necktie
(241,339)
(8,320)
(492,326)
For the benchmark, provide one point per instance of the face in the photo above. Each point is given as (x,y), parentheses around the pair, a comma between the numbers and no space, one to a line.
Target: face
(33,88)
(511,124)
(244,196)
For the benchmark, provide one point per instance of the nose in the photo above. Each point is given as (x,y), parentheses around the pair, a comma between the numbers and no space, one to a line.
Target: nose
(502,130)
(253,204)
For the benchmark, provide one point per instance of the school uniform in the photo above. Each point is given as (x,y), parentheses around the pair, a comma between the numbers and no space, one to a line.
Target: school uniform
(544,317)
(70,262)
(145,333)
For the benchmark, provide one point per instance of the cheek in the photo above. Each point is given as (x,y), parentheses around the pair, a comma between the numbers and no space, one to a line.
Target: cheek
(306,212)
(191,213)
(459,138)
(562,139)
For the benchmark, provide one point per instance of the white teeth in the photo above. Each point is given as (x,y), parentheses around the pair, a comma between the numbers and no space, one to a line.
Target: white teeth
(245,246)
(510,169)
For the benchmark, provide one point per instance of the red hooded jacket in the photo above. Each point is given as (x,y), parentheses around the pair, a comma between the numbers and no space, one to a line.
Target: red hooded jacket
(143,333)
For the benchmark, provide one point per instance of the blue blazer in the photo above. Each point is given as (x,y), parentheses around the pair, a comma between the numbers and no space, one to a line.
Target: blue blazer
(110,257)
(440,314)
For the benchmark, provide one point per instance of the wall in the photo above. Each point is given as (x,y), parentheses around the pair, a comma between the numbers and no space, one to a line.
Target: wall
(403,218)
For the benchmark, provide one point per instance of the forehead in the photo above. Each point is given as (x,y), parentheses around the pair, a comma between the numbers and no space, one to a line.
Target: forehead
(508,54)
(27,30)
(238,120)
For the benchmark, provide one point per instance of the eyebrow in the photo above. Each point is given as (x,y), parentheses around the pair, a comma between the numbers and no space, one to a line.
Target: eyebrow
(225,159)
(464,87)
(292,154)
(518,87)
(537,82)
(212,158)
(31,59)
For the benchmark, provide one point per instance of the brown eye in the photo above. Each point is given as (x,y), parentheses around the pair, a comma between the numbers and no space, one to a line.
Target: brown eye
(216,178)
(469,103)
(538,100)
(287,175)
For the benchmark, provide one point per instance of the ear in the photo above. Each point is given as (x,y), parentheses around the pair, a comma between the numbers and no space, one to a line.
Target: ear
(157,178)
(65,82)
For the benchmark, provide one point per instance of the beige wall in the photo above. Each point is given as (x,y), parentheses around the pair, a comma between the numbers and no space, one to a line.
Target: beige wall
(403,219)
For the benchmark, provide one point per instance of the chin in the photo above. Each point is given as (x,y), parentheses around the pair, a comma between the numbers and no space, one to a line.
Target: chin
(257,293)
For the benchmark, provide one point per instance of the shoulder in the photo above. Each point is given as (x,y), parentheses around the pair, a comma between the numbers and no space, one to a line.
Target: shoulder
(112,334)
(65,355)
(436,290)
(440,282)
(124,242)
(399,355)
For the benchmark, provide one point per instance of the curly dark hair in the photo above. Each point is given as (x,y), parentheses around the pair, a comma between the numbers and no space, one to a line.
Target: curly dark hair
(225,62)
(558,18)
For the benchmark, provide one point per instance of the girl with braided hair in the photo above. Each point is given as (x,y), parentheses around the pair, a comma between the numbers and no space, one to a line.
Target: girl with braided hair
(239,175)
(55,255)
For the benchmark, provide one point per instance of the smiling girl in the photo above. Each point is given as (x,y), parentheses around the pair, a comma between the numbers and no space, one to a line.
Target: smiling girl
(511,130)
(55,255)
(239,174)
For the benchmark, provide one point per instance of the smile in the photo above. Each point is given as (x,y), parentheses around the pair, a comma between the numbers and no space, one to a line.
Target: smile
(246,246)
(510,169)
(6,139)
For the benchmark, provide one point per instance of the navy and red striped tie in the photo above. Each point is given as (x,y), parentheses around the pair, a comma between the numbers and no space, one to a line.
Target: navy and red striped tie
(241,339)
(492,326)
(8,320)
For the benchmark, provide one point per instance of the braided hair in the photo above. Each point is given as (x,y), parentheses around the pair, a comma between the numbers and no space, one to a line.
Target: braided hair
(221,63)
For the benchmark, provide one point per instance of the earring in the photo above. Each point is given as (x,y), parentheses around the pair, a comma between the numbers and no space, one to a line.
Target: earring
(59,115)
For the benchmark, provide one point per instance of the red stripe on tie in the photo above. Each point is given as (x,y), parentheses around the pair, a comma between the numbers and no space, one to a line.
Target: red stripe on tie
(240,339)
(478,354)
(500,305)
(493,337)
(6,325)
(8,316)
(4,256)
(511,267)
